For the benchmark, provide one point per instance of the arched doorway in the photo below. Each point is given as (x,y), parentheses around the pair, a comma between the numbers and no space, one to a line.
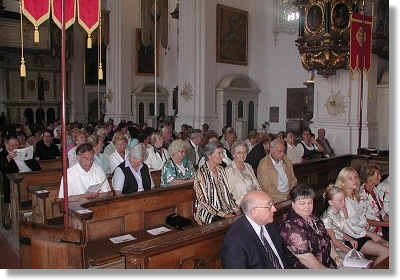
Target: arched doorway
(237,103)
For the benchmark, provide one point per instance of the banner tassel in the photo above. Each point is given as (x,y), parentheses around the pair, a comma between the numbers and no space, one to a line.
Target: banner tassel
(100,72)
(36,35)
(22,69)
(89,42)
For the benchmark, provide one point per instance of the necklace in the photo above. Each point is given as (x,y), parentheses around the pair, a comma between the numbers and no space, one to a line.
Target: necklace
(313,226)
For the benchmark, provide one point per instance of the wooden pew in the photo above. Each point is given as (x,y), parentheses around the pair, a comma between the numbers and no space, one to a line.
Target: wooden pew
(117,215)
(50,164)
(21,200)
(45,202)
(198,247)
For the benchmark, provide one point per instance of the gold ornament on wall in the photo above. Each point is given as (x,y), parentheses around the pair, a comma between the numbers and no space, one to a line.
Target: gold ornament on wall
(187,92)
(336,104)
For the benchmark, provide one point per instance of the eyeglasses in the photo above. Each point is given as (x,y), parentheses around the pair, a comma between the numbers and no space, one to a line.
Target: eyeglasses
(87,159)
(181,152)
(269,207)
(241,153)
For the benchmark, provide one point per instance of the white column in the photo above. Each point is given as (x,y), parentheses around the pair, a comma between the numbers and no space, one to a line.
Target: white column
(196,64)
(119,59)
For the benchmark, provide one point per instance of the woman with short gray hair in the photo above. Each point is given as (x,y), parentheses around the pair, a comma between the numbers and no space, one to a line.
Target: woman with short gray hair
(240,174)
(133,175)
(213,200)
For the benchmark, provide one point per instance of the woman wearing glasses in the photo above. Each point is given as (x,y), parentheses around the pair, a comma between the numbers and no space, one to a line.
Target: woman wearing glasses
(305,234)
(240,174)
(213,199)
(178,169)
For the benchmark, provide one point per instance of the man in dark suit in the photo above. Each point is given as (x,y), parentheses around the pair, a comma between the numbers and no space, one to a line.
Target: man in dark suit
(245,247)
(8,165)
(194,149)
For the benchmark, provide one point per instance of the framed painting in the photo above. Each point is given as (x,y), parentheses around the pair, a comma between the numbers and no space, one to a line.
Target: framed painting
(232,35)
(145,63)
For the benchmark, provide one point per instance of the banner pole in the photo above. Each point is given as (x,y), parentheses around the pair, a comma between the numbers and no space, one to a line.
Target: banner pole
(362,80)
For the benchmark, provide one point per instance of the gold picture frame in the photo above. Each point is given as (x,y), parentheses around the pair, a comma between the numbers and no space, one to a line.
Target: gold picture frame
(145,57)
(232,35)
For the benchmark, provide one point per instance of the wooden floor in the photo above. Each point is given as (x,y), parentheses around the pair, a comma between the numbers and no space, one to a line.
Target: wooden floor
(9,251)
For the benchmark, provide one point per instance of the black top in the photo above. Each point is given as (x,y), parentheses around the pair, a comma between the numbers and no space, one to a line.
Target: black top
(130,183)
(46,152)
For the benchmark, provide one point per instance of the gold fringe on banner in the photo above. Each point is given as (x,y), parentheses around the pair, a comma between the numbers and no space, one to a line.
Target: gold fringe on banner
(22,69)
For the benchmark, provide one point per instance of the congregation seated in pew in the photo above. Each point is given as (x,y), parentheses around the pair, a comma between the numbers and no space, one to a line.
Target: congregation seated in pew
(214,201)
(83,175)
(133,175)
(178,169)
(45,149)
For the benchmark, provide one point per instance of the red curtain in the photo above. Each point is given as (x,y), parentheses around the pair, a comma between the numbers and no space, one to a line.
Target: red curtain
(70,12)
(361,28)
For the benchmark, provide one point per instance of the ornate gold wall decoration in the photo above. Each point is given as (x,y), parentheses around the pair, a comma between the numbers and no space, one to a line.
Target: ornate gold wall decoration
(336,104)
(187,92)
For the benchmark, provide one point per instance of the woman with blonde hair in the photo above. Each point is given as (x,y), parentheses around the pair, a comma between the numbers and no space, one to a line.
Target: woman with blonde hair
(349,182)
(178,169)
(337,226)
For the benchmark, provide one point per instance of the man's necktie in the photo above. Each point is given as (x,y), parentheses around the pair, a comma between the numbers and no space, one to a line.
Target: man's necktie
(274,259)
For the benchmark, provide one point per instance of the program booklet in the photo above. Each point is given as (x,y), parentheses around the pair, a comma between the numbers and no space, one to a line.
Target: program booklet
(96,187)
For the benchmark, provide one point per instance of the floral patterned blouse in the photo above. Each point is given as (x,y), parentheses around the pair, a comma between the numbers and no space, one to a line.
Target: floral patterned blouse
(301,238)
(372,211)
(171,171)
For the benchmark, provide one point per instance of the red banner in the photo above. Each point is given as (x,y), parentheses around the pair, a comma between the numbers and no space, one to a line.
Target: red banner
(89,16)
(70,12)
(360,37)
(37,11)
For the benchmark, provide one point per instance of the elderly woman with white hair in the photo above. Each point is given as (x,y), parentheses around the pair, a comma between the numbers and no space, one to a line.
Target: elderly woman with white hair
(157,154)
(132,175)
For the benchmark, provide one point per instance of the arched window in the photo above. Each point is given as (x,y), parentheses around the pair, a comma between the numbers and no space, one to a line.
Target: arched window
(229,113)
(39,115)
(151,110)
(240,109)
(28,113)
(161,110)
(251,119)
(141,113)
(51,115)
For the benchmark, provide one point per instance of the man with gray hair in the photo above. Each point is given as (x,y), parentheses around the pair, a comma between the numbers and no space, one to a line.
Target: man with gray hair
(194,148)
(253,241)
(275,172)
(133,175)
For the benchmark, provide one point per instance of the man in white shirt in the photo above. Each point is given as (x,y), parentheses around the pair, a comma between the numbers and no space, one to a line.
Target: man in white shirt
(253,241)
(83,175)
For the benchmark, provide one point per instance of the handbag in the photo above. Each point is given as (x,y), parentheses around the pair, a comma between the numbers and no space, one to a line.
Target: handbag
(178,221)
(356,259)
